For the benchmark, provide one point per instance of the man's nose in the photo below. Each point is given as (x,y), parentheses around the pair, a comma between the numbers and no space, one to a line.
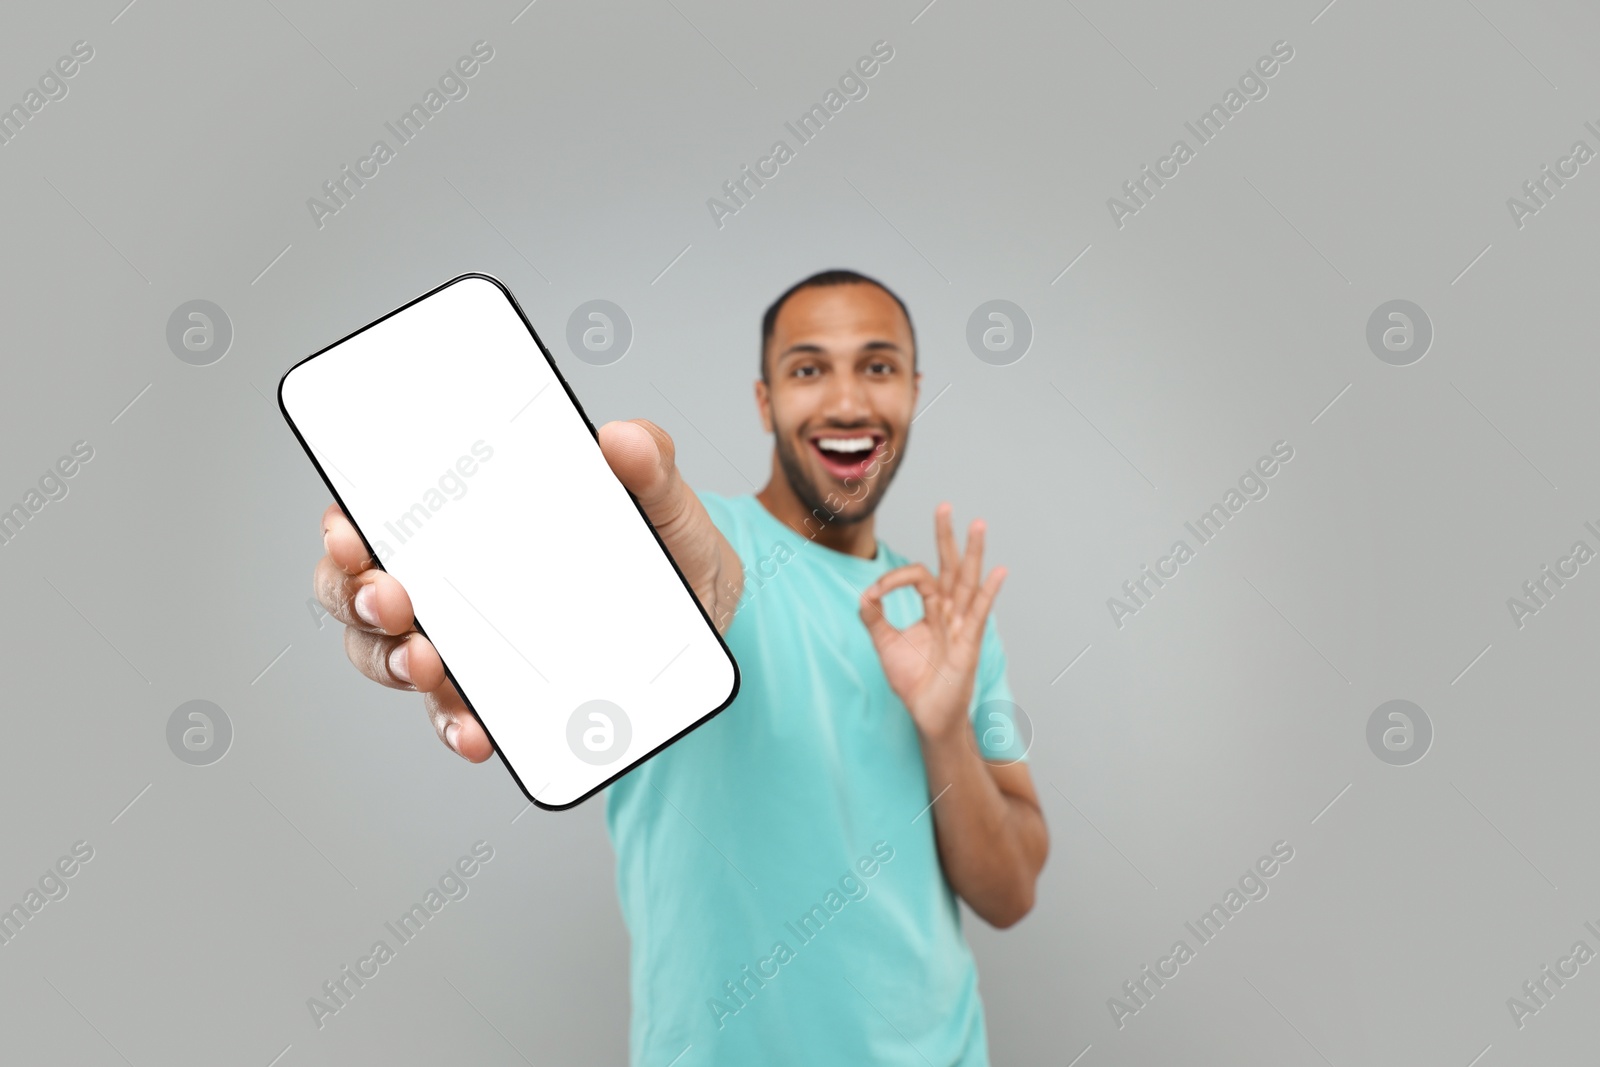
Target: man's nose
(847,398)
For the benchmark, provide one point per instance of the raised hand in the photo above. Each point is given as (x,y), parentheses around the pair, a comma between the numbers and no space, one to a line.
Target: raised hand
(932,664)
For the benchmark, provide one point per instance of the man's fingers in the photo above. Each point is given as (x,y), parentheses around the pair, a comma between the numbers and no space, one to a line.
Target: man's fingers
(977,613)
(971,567)
(456,726)
(372,600)
(351,588)
(405,662)
(878,627)
(913,574)
(377,614)
(949,558)
(916,574)
(339,537)
(411,662)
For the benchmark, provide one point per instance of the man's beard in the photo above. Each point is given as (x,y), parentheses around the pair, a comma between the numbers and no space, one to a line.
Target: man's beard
(815,499)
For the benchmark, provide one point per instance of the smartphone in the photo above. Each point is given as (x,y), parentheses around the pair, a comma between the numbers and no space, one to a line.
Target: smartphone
(449,437)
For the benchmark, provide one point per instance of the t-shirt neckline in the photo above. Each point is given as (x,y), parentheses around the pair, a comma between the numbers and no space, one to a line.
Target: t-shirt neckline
(823,554)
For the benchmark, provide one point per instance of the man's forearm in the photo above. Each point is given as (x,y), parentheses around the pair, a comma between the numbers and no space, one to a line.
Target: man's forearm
(992,844)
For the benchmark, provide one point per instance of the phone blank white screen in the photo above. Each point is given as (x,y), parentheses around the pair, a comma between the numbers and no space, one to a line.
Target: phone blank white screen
(458,454)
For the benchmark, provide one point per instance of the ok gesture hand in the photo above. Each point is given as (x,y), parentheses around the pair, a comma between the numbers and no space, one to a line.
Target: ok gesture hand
(932,664)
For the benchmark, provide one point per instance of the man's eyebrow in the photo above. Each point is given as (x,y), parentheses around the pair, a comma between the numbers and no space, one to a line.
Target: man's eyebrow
(811,348)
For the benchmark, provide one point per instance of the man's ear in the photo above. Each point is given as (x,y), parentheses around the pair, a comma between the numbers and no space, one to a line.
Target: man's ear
(764,404)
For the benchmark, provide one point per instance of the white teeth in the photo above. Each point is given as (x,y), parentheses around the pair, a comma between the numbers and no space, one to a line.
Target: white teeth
(844,444)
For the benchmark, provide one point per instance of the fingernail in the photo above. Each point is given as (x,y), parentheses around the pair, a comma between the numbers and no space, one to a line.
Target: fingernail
(366,605)
(400,661)
(452,733)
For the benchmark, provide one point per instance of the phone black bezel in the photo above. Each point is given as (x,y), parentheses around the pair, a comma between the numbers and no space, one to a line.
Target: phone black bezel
(573,399)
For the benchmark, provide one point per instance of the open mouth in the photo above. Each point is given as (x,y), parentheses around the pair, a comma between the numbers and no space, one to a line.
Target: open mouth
(848,455)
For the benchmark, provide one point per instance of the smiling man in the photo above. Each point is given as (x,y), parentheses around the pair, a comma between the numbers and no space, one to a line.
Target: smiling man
(789,872)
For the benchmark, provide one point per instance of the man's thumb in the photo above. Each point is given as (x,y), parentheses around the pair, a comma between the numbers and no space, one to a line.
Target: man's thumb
(643,459)
(641,455)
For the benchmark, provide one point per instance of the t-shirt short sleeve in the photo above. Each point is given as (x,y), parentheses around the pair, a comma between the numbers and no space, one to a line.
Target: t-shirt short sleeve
(717,507)
(725,516)
(1003,734)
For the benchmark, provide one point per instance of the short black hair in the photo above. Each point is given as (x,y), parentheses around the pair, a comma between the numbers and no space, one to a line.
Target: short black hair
(837,276)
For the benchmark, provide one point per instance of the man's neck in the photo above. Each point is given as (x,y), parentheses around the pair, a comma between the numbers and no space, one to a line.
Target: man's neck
(853,539)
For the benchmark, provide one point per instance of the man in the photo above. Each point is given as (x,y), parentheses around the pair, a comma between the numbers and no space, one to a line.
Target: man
(789,871)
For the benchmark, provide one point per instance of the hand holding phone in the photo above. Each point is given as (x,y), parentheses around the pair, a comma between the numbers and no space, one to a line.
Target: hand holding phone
(540,564)
(381,638)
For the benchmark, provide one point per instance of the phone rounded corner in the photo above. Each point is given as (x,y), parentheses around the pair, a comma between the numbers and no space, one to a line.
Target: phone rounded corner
(733,690)
(480,275)
(568,806)
(521,785)
(283,384)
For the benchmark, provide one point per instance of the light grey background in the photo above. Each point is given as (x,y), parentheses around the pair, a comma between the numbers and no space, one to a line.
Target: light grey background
(1223,317)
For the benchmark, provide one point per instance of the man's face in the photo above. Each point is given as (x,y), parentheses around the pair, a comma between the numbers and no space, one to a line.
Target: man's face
(841,396)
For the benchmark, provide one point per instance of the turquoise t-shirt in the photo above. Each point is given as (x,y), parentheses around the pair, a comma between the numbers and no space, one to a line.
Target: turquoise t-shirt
(776,868)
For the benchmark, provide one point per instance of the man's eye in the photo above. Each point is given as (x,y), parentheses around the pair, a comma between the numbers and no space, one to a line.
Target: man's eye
(805,372)
(882,368)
